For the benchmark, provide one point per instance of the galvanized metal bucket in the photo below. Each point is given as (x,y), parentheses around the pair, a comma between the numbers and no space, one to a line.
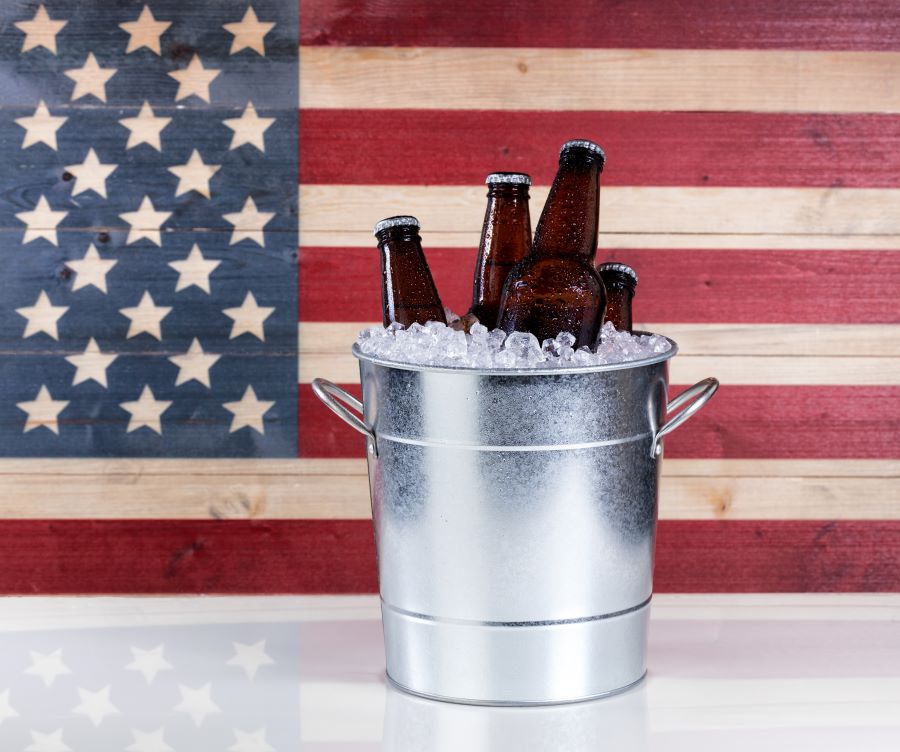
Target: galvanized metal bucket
(515,519)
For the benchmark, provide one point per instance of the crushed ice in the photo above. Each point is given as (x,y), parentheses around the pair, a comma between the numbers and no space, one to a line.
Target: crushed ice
(435,344)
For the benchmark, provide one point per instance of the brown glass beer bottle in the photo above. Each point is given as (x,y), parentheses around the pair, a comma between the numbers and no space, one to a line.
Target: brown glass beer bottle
(620,281)
(505,240)
(408,294)
(555,288)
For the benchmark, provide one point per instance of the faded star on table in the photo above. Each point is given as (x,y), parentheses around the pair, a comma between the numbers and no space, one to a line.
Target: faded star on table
(194,364)
(194,175)
(6,710)
(95,705)
(146,316)
(194,270)
(91,270)
(40,31)
(248,318)
(250,657)
(91,364)
(47,742)
(148,742)
(145,31)
(194,80)
(149,662)
(91,174)
(145,222)
(48,667)
(248,411)
(41,127)
(145,128)
(197,703)
(41,222)
(42,316)
(248,128)
(43,410)
(248,223)
(250,741)
(90,78)
(146,411)
(249,32)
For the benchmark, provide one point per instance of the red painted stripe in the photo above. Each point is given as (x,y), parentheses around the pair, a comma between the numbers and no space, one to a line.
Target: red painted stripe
(684,286)
(337,556)
(700,24)
(452,147)
(740,422)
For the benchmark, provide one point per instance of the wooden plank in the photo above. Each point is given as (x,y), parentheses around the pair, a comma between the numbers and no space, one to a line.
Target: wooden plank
(786,370)
(343,238)
(676,286)
(519,78)
(740,422)
(858,211)
(458,147)
(338,556)
(333,339)
(770,24)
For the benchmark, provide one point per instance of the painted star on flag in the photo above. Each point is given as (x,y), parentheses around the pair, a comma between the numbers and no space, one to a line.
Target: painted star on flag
(145,31)
(197,703)
(149,662)
(91,364)
(91,270)
(250,741)
(149,742)
(41,222)
(145,222)
(194,175)
(194,270)
(6,710)
(194,364)
(248,318)
(53,742)
(248,223)
(250,657)
(248,128)
(40,31)
(48,667)
(95,705)
(145,128)
(146,411)
(42,316)
(194,80)
(41,127)
(249,33)
(90,79)
(43,411)
(146,316)
(91,174)
(248,412)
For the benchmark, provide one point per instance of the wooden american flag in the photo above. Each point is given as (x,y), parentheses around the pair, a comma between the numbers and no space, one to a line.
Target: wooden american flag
(753,181)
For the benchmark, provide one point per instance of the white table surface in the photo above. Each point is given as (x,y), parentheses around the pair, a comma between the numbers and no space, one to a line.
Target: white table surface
(779,672)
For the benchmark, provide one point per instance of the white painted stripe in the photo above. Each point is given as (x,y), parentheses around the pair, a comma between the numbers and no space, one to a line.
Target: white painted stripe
(603,79)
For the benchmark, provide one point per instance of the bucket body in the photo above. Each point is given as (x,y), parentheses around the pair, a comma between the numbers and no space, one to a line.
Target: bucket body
(515,518)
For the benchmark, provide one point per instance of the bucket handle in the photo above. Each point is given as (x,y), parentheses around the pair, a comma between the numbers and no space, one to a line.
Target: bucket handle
(694,397)
(336,400)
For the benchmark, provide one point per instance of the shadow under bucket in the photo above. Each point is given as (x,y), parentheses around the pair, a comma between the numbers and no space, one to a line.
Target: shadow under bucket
(515,520)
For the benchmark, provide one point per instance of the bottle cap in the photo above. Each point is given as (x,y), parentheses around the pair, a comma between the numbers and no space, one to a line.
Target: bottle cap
(580,143)
(400,221)
(611,266)
(516,178)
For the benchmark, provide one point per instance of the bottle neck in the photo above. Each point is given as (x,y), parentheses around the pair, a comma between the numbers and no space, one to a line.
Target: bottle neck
(569,222)
(399,240)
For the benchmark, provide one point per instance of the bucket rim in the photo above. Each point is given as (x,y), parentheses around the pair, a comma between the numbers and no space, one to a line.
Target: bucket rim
(545,371)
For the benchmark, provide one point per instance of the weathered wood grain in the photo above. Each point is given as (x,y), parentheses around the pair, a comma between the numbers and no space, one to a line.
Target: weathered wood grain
(841,423)
(764,24)
(335,556)
(339,489)
(459,147)
(676,286)
(821,211)
(528,78)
